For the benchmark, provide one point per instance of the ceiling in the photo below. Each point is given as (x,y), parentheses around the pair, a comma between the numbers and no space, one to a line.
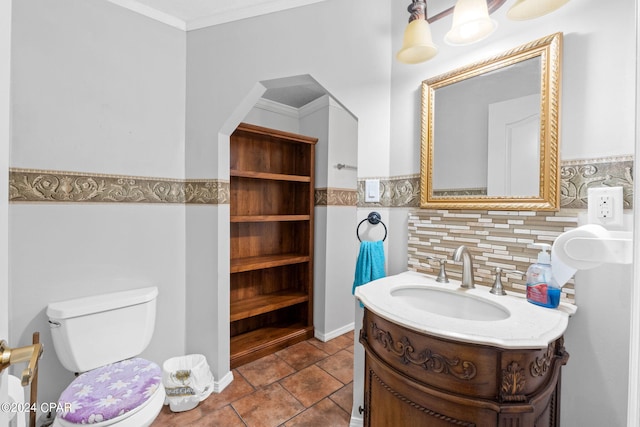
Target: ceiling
(194,14)
(295,96)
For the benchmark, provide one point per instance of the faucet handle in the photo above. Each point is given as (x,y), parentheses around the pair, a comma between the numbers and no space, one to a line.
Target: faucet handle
(497,288)
(442,274)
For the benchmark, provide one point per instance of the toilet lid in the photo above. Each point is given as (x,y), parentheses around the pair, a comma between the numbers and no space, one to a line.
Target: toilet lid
(110,391)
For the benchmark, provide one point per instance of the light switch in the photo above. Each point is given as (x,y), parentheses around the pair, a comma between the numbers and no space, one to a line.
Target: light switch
(372,190)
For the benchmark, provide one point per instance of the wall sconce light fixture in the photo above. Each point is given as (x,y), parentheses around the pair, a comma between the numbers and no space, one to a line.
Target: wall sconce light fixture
(471,23)
(417,44)
(529,9)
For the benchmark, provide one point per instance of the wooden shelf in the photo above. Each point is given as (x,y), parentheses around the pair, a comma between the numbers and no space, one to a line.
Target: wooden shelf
(271,240)
(269,218)
(269,175)
(275,133)
(258,262)
(261,342)
(249,307)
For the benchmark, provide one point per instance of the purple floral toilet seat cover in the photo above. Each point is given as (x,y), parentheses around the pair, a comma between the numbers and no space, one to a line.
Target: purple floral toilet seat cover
(110,391)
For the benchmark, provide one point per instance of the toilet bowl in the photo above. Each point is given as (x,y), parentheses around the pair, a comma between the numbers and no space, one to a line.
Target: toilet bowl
(101,337)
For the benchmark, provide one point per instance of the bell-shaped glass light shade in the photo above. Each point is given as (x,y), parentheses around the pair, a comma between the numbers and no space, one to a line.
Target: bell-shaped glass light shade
(529,9)
(417,45)
(471,22)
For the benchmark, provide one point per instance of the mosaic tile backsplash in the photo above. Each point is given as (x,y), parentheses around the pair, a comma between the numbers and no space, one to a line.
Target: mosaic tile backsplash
(494,238)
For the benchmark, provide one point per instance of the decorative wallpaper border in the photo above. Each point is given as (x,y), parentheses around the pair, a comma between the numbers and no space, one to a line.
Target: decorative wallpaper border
(461,192)
(31,185)
(335,197)
(576,176)
(395,192)
(27,185)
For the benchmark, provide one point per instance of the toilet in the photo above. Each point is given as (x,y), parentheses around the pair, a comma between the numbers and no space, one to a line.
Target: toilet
(100,337)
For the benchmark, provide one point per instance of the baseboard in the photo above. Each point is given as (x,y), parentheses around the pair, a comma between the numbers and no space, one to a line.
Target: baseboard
(223,382)
(356,421)
(333,334)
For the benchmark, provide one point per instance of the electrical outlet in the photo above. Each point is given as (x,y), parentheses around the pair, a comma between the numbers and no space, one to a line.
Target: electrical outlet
(605,207)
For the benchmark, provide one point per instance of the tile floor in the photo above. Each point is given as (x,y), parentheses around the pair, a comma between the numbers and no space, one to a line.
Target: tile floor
(306,385)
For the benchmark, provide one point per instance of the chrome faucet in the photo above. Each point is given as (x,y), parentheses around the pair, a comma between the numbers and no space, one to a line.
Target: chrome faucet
(463,254)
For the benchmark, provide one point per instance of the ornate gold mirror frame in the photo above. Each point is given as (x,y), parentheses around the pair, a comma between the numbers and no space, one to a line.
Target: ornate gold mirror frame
(547,52)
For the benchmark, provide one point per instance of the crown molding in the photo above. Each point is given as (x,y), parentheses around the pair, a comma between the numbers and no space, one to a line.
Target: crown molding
(209,14)
(296,113)
(276,107)
(317,104)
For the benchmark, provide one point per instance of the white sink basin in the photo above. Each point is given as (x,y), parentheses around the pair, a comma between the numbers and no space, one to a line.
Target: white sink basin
(449,303)
(418,302)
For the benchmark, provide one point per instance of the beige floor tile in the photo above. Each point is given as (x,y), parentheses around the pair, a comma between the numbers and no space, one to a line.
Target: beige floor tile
(224,417)
(265,370)
(340,365)
(301,355)
(238,388)
(311,385)
(344,397)
(270,406)
(271,392)
(334,345)
(323,414)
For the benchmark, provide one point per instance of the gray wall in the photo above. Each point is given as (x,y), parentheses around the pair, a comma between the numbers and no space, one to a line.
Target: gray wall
(597,120)
(101,89)
(342,45)
(98,88)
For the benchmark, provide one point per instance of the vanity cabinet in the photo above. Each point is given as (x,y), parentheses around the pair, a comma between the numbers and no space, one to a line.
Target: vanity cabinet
(271,232)
(415,379)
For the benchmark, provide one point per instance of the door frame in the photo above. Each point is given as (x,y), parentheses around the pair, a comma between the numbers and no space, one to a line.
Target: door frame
(5,133)
(633,404)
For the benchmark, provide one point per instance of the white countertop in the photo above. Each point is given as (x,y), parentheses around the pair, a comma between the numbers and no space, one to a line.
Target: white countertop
(528,326)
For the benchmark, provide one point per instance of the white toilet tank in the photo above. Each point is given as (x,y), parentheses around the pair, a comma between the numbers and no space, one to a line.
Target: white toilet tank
(94,331)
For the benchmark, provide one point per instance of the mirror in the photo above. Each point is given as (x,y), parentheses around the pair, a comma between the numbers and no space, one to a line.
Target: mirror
(490,132)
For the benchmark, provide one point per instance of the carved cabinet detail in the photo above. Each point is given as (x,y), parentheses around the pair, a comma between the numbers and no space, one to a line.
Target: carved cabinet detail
(412,378)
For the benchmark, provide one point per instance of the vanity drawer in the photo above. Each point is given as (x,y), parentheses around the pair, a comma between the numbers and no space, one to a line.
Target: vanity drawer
(471,370)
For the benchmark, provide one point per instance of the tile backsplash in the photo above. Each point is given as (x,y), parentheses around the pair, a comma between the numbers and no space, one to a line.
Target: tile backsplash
(494,238)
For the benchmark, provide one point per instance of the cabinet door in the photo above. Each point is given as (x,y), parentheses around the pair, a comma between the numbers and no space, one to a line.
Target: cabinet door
(392,399)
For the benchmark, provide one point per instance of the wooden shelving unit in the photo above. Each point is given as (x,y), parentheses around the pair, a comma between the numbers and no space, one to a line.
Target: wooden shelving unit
(272,186)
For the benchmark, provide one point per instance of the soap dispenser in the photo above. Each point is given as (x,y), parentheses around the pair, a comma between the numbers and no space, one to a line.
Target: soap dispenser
(542,288)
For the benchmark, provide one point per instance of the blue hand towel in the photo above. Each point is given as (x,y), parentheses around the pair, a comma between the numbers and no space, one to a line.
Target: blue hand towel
(370,264)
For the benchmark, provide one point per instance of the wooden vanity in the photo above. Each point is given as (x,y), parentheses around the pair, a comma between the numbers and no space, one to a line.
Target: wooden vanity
(416,379)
